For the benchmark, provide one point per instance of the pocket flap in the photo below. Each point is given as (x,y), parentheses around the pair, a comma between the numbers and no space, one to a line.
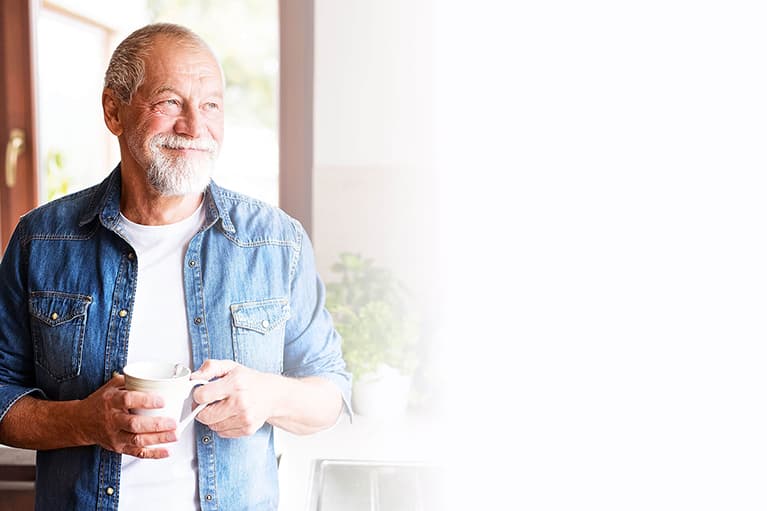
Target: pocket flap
(262,316)
(55,308)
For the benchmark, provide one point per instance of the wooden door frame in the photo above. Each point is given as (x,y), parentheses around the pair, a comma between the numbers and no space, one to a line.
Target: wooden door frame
(296,106)
(17,108)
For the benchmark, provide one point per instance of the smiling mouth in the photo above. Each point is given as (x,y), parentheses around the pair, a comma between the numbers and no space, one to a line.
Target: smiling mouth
(181,148)
(186,149)
(184,146)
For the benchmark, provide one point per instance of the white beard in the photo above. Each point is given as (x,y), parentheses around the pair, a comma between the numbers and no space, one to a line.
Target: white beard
(175,176)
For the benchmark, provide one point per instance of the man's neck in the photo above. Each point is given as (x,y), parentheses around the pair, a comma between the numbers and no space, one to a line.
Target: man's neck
(142,205)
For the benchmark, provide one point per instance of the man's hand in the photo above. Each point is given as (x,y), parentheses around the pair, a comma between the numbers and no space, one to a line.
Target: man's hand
(103,419)
(107,421)
(243,397)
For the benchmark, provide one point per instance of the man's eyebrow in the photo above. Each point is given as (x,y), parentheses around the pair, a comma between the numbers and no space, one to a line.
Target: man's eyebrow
(164,88)
(168,88)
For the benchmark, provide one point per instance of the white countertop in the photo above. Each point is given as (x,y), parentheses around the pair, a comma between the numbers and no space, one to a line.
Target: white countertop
(410,438)
(406,439)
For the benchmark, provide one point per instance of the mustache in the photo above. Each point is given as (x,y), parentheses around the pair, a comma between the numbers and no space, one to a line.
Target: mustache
(177,142)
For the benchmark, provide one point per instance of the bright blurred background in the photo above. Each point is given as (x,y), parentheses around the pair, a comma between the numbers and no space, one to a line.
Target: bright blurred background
(574,194)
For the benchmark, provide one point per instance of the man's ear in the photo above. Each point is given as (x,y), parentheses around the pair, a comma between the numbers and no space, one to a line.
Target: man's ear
(111,105)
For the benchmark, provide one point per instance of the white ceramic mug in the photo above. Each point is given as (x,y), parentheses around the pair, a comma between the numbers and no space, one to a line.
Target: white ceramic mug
(170,381)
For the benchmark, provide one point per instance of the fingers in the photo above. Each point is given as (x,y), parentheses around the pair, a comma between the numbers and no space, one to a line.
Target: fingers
(230,420)
(132,441)
(234,379)
(148,452)
(142,438)
(217,412)
(141,424)
(114,428)
(231,413)
(117,381)
(213,391)
(138,434)
(214,369)
(235,426)
(133,399)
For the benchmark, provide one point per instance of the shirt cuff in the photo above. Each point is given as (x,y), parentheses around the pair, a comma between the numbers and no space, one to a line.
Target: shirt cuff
(343,385)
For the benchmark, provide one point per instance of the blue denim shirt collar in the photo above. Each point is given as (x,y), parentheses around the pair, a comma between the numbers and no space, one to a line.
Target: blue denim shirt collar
(106,204)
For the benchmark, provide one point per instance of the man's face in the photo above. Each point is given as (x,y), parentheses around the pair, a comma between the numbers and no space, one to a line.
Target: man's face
(175,122)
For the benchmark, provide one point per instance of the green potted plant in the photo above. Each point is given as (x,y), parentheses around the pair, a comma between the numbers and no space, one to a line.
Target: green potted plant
(379,326)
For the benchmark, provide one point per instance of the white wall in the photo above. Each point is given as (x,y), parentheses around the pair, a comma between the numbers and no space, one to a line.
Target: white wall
(373,175)
(620,347)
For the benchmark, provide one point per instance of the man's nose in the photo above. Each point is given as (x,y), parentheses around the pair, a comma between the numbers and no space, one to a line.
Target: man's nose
(190,123)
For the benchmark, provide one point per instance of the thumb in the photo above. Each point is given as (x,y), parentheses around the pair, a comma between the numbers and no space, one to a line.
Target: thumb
(117,380)
(214,369)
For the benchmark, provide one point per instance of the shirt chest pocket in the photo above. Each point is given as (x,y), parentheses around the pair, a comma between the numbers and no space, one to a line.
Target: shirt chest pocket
(258,333)
(58,322)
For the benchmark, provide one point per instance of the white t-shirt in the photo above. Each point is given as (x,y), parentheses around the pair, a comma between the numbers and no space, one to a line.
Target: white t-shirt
(158,331)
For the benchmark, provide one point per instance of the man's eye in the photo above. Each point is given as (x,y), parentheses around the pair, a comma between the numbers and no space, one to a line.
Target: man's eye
(211,106)
(168,103)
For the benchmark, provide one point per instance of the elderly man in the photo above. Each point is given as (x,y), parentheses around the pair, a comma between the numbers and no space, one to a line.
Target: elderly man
(159,263)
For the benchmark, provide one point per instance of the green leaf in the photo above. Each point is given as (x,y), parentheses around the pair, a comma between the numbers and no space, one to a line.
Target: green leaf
(374,315)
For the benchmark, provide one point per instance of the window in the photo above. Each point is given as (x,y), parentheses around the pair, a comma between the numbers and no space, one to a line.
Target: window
(75,40)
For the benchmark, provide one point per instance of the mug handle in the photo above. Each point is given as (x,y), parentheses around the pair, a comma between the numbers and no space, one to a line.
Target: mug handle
(189,418)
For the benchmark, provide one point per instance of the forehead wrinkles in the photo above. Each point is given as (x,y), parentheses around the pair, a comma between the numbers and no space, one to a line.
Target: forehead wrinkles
(173,64)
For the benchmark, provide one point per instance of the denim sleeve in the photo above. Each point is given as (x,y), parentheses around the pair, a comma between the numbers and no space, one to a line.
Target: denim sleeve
(312,345)
(17,376)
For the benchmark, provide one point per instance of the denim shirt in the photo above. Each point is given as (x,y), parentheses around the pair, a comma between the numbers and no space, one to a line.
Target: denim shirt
(67,288)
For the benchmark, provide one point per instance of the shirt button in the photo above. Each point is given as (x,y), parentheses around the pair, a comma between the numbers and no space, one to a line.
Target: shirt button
(54,316)
(192,263)
(208,497)
(265,324)
(131,255)
(198,320)
(123,313)
(206,439)
(110,491)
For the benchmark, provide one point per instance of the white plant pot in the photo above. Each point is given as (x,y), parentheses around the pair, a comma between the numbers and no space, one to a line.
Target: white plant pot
(383,394)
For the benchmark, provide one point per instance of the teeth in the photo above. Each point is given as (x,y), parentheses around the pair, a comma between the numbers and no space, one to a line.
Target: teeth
(170,143)
(185,147)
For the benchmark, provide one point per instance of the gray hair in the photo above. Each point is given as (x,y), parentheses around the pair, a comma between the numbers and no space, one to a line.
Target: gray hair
(126,69)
